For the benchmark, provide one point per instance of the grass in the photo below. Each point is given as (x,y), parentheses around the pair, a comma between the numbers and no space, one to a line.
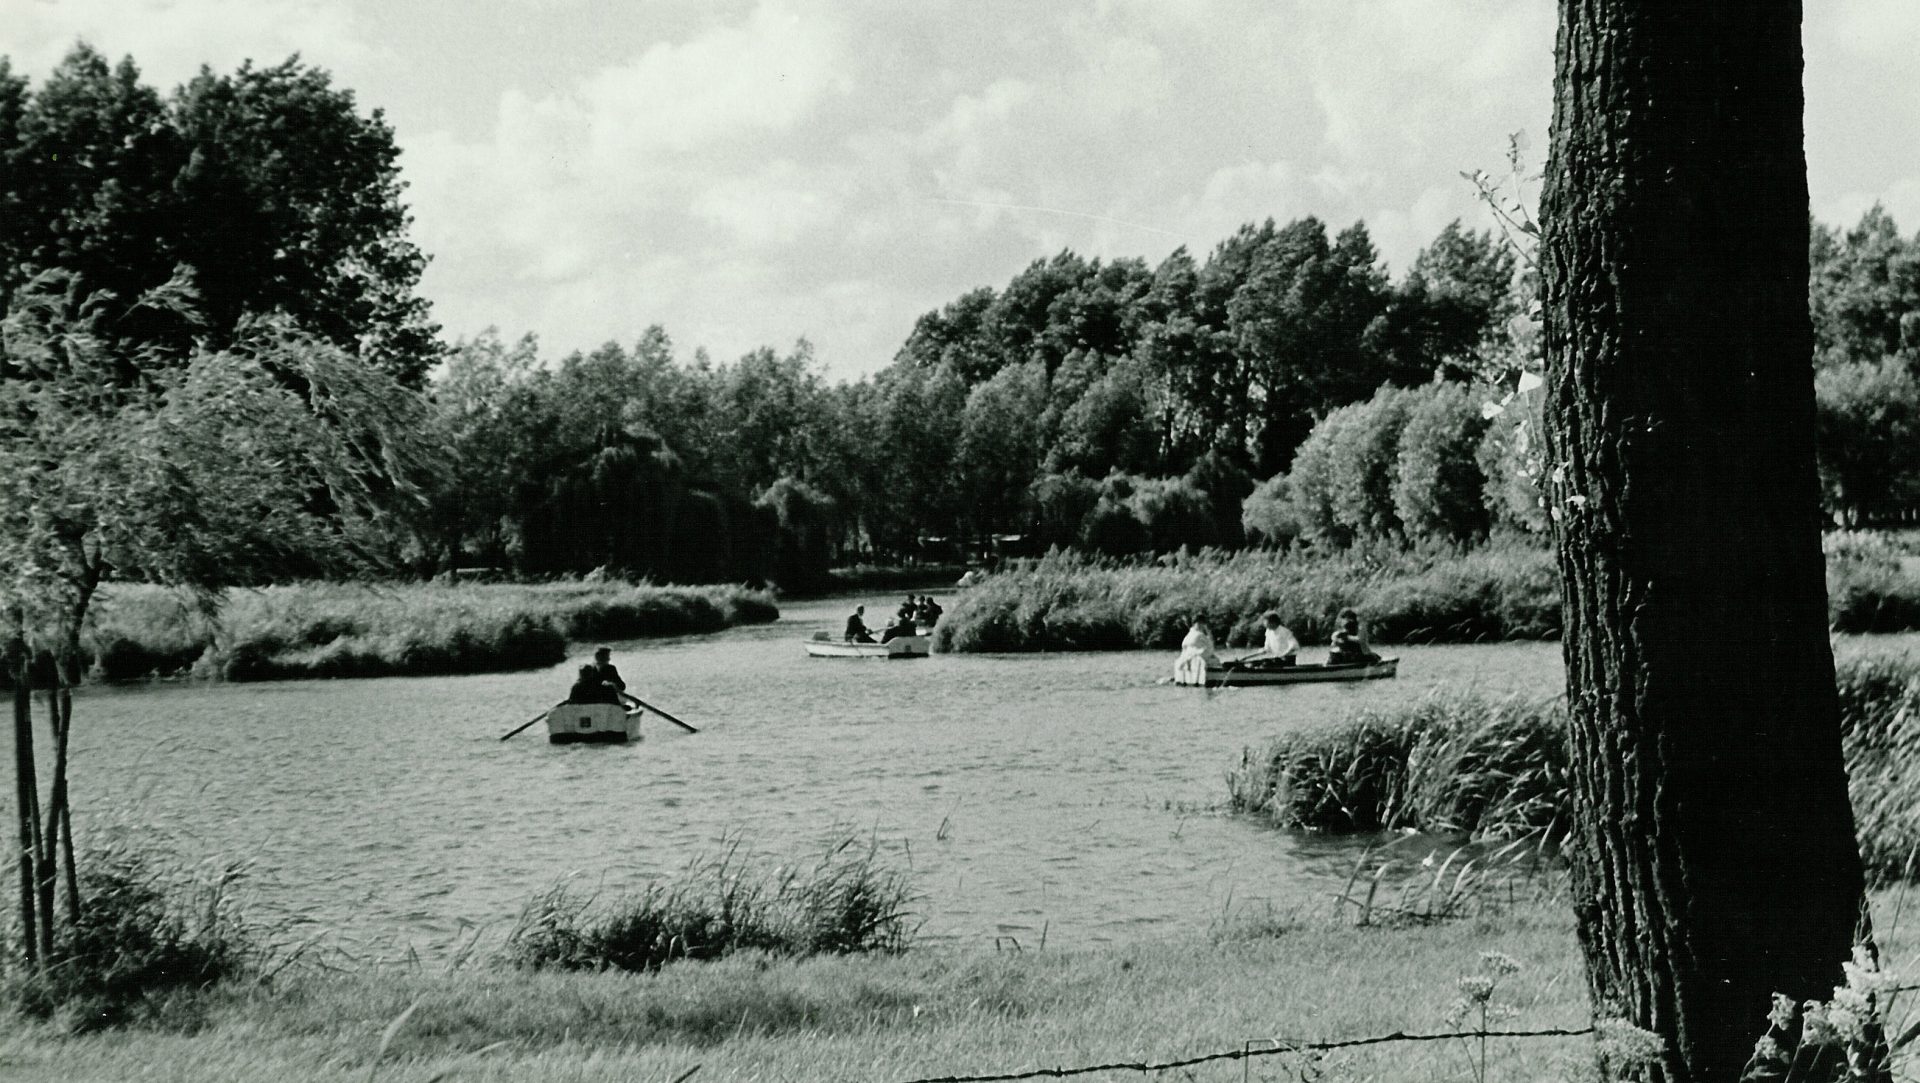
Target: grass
(872,1017)
(414,629)
(1461,763)
(845,903)
(1073,602)
(1502,591)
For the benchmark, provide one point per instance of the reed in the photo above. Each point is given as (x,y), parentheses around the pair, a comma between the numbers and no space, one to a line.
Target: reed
(414,629)
(148,938)
(847,902)
(1478,767)
(1069,601)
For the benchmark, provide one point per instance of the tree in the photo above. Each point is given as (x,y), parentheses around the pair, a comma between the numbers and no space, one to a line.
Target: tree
(1866,291)
(1714,860)
(268,183)
(275,456)
(1869,437)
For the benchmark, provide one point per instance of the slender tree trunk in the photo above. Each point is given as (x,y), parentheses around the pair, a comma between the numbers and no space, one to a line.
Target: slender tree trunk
(27,801)
(59,804)
(1714,853)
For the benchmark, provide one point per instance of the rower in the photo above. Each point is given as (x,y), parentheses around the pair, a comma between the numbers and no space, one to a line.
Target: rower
(1348,648)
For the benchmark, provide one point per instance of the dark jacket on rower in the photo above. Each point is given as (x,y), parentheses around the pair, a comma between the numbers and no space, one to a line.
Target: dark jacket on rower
(591,689)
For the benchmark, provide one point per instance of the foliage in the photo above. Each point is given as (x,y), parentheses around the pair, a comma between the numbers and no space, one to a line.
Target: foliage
(1269,515)
(144,933)
(1439,485)
(1868,430)
(804,518)
(846,902)
(267,183)
(1865,291)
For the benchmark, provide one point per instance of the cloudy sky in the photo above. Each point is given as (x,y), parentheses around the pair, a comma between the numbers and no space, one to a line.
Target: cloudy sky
(747,172)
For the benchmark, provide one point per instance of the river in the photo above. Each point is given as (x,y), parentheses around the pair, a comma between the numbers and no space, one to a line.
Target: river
(1064,796)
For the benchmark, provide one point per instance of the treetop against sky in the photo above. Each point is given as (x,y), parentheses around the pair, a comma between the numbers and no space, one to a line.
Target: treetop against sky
(747,172)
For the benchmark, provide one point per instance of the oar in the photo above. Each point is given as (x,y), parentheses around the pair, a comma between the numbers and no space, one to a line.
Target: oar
(659,712)
(528,722)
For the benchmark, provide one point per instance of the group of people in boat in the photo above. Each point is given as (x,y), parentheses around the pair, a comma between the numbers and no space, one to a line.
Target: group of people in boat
(599,682)
(917,612)
(1279,648)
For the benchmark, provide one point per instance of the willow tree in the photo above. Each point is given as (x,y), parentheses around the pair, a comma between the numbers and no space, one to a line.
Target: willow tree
(1714,854)
(220,468)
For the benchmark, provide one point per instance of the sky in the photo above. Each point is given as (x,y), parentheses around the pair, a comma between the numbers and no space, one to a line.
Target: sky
(750,172)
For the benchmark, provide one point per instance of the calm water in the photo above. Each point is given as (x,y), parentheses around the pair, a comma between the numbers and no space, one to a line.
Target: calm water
(1064,792)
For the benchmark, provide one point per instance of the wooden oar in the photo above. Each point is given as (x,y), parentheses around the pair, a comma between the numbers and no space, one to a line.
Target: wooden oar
(528,722)
(661,713)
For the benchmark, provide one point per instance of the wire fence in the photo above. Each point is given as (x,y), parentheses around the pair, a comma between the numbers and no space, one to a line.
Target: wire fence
(1259,1047)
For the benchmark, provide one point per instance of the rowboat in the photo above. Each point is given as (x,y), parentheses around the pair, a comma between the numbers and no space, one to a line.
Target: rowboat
(823,645)
(1196,672)
(599,723)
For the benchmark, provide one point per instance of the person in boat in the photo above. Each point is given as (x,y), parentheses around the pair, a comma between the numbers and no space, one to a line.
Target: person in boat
(605,670)
(930,611)
(909,611)
(1278,647)
(857,626)
(1198,644)
(589,688)
(1348,647)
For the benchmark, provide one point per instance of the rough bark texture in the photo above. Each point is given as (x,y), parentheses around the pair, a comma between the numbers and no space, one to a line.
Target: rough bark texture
(1714,854)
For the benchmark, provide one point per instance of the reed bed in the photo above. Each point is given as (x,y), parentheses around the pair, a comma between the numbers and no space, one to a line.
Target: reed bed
(1068,601)
(1503,591)
(846,903)
(1493,768)
(415,629)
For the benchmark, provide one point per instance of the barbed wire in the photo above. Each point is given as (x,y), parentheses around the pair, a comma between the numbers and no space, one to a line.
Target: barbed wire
(1278,1047)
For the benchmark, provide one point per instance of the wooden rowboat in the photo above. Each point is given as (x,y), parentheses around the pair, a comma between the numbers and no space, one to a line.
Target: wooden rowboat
(1196,672)
(598,723)
(823,645)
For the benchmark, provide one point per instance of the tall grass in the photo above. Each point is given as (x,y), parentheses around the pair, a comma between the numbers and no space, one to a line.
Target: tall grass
(1068,601)
(147,939)
(845,903)
(353,630)
(1483,767)
(1506,590)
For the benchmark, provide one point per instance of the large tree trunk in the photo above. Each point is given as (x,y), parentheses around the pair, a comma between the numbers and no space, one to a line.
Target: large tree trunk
(1714,854)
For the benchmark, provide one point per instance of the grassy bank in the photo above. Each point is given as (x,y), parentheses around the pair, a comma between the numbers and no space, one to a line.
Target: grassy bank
(1462,763)
(877,1018)
(1073,602)
(1496,592)
(413,629)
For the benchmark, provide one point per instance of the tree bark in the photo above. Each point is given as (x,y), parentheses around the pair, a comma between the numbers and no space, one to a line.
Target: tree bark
(1713,850)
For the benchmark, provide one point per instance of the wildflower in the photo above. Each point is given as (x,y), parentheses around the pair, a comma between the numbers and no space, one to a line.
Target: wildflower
(1625,1047)
(1499,964)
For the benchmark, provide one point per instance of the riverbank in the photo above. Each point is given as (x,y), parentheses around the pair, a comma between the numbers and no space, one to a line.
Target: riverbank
(1503,591)
(880,1018)
(388,630)
(1459,762)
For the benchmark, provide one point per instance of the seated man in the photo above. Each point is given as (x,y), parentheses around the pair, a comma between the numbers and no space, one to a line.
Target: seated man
(930,611)
(1278,647)
(1348,648)
(591,689)
(857,626)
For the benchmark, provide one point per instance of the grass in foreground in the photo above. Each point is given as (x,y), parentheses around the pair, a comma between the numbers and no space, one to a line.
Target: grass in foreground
(412,629)
(877,1017)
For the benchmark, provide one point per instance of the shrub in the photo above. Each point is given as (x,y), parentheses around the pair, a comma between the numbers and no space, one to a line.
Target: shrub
(143,934)
(1061,504)
(1311,482)
(1438,482)
(1366,458)
(847,902)
(1512,458)
(1175,514)
(1268,515)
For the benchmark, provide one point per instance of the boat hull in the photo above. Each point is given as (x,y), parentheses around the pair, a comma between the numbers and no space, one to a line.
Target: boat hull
(592,723)
(821,646)
(1197,673)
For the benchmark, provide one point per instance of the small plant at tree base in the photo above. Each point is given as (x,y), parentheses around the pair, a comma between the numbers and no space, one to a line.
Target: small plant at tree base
(1842,1039)
(1477,1007)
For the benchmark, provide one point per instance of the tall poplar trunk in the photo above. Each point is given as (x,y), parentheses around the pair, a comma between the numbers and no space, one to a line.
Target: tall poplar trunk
(1714,853)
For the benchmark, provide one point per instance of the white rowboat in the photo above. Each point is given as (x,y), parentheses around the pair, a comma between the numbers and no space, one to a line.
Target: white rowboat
(823,645)
(604,723)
